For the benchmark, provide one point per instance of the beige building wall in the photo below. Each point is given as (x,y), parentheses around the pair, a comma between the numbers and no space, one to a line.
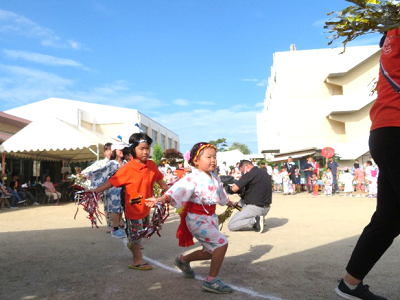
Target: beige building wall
(317,98)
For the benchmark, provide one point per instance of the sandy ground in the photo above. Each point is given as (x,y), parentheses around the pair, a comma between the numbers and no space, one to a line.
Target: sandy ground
(46,254)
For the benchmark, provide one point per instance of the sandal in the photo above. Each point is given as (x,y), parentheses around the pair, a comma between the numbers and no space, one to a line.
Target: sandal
(143,267)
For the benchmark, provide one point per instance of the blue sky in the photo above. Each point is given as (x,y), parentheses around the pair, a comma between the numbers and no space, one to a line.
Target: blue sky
(197,67)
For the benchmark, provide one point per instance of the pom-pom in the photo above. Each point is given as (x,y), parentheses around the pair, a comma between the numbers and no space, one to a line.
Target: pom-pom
(186,156)
(179,210)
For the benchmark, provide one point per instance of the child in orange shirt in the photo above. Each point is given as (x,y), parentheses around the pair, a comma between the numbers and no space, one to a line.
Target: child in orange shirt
(138,176)
(315,184)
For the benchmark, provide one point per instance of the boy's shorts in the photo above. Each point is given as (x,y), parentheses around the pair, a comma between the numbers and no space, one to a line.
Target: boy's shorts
(133,227)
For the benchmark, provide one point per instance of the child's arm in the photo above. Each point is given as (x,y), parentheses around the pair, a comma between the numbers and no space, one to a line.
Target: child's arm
(162,184)
(150,202)
(107,185)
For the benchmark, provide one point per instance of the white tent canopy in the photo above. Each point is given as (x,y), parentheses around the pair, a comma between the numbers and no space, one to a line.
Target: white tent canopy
(230,157)
(53,139)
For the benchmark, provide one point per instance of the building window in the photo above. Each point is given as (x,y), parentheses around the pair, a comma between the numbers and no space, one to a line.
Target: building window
(154,136)
(176,145)
(169,143)
(163,142)
(144,128)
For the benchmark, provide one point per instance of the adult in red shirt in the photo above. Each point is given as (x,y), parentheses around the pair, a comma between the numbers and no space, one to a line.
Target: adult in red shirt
(384,143)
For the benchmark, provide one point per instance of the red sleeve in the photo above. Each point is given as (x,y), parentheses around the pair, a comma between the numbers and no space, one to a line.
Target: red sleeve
(119,178)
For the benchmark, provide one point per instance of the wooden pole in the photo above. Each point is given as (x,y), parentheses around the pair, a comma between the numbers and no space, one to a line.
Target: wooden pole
(3,162)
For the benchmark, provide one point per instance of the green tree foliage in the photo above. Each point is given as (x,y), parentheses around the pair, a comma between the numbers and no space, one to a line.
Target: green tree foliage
(157,153)
(220,144)
(365,17)
(241,147)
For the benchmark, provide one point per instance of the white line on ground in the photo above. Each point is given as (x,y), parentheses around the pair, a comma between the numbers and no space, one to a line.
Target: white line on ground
(237,288)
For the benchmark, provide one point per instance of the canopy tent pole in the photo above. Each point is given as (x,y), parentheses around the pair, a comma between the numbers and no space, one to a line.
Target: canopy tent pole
(3,162)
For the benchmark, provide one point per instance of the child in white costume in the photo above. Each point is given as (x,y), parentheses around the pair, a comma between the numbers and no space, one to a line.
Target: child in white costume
(199,192)
(285,180)
(347,180)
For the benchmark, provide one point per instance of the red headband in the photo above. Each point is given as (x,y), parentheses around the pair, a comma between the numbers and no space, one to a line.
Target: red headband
(202,147)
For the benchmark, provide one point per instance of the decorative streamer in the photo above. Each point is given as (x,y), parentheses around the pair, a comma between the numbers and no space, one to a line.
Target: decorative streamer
(90,203)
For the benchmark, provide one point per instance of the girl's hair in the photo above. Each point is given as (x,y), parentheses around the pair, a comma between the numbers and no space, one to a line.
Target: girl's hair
(194,152)
(328,168)
(113,155)
(369,162)
(107,146)
(137,138)
(356,165)
(169,169)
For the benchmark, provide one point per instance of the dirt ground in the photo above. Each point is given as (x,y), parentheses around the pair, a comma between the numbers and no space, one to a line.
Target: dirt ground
(46,254)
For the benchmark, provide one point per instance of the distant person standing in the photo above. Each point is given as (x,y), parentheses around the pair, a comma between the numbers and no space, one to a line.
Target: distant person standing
(333,165)
(224,169)
(308,171)
(290,168)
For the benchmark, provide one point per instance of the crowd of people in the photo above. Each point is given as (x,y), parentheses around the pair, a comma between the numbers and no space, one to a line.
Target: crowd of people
(360,181)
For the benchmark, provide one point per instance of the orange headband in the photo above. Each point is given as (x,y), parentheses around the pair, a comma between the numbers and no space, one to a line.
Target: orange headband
(202,147)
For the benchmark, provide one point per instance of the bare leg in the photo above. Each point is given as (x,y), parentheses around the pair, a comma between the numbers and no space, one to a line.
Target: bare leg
(217,259)
(196,255)
(137,254)
(115,219)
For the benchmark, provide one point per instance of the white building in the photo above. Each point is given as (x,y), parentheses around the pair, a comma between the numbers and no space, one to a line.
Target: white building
(319,98)
(108,120)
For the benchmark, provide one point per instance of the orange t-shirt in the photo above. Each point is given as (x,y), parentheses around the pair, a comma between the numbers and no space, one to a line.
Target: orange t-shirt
(386,110)
(138,179)
(180,172)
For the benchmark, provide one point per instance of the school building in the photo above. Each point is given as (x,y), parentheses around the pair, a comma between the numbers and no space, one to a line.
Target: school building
(319,98)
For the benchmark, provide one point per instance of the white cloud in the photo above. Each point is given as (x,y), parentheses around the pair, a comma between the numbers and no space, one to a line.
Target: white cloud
(14,24)
(42,58)
(184,102)
(181,102)
(234,124)
(20,86)
(259,104)
(253,80)
(263,82)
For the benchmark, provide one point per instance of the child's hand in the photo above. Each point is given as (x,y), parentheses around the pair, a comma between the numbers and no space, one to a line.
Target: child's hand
(150,202)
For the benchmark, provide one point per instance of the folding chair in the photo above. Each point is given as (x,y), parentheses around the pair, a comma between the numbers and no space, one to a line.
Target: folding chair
(4,200)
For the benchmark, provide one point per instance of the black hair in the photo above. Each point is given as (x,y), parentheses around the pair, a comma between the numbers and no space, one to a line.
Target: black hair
(194,150)
(356,165)
(113,155)
(107,146)
(245,162)
(135,139)
(126,151)
(329,168)
(369,162)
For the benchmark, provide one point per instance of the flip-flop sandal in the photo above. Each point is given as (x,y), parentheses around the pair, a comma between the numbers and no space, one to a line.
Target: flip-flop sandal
(143,267)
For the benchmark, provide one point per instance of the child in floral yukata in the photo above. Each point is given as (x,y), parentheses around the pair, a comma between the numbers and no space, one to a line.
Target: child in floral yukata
(199,192)
(285,180)
(112,201)
(372,176)
(328,182)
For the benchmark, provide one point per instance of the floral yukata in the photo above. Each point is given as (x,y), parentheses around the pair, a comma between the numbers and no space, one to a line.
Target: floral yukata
(328,183)
(199,188)
(112,202)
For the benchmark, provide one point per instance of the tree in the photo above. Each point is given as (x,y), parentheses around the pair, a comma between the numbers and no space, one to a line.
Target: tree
(241,147)
(365,17)
(220,144)
(157,153)
(173,156)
